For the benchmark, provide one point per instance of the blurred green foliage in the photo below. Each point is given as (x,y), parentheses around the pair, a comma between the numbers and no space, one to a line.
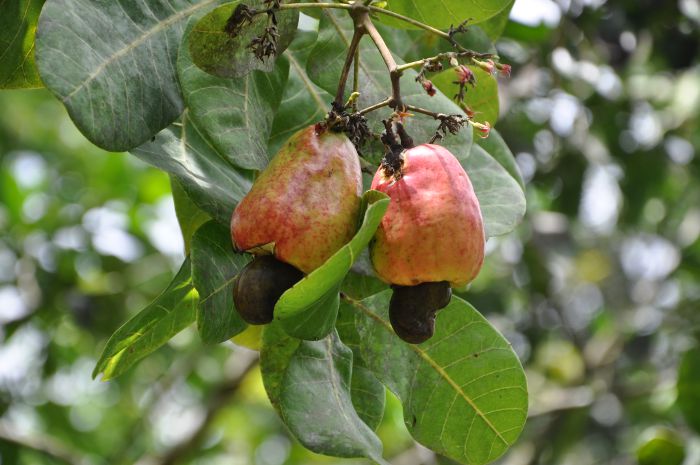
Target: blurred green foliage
(597,290)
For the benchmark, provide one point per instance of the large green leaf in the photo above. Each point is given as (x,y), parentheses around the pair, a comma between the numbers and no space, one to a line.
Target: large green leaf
(276,351)
(17,29)
(463,391)
(482,98)
(308,310)
(303,103)
(498,149)
(324,68)
(494,26)
(501,198)
(368,396)
(234,114)
(155,325)
(359,286)
(444,13)
(310,383)
(112,64)
(214,267)
(228,55)
(212,183)
(368,393)
(689,388)
(189,216)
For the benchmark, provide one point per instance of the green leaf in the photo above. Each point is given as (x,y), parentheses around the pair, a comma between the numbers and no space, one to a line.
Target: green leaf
(463,391)
(661,446)
(501,199)
(498,149)
(170,313)
(214,267)
(118,84)
(535,35)
(310,382)
(276,351)
(689,388)
(368,396)
(212,183)
(495,26)
(222,54)
(189,217)
(308,310)
(359,286)
(483,98)
(325,65)
(17,29)
(444,13)
(303,103)
(234,114)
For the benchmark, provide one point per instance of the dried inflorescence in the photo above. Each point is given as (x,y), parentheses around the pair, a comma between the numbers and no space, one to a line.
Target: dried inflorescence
(395,143)
(354,124)
(449,124)
(264,45)
(242,16)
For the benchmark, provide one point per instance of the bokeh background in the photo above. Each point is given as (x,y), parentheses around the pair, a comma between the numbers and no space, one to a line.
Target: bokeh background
(598,290)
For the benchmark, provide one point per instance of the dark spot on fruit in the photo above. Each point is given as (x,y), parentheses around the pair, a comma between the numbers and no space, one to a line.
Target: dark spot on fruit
(259,286)
(412,309)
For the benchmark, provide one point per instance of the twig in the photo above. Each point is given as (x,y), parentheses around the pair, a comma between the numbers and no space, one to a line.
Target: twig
(388,58)
(448,123)
(44,445)
(376,106)
(322,6)
(371,9)
(356,77)
(124,448)
(445,57)
(406,19)
(423,111)
(218,399)
(460,29)
(349,58)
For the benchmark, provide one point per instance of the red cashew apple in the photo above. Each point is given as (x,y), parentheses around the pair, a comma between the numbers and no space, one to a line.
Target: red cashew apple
(302,208)
(432,232)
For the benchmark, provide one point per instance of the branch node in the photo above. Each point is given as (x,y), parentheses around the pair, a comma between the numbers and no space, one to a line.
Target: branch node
(460,29)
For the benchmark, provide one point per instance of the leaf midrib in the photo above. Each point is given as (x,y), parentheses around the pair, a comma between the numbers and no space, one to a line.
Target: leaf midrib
(443,374)
(305,79)
(138,41)
(342,34)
